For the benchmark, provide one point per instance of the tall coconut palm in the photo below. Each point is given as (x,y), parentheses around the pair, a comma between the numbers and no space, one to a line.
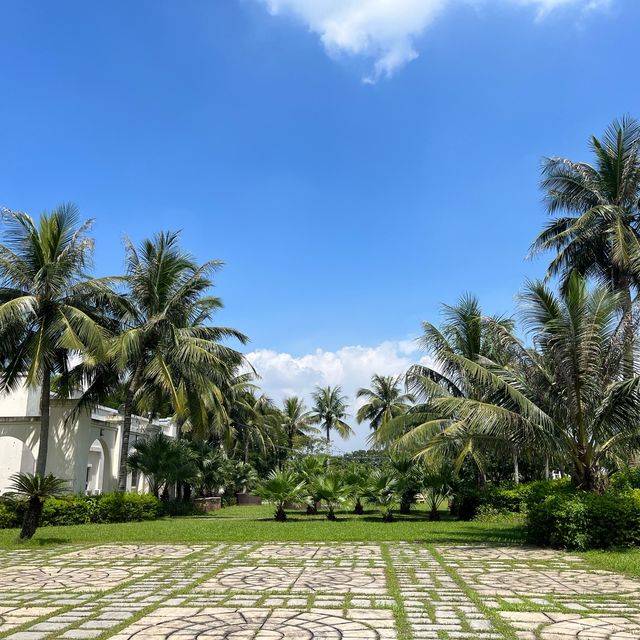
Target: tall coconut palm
(329,410)
(569,393)
(166,338)
(50,309)
(597,231)
(296,420)
(384,401)
(465,335)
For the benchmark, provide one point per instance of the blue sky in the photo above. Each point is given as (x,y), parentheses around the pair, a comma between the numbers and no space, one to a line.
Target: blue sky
(346,211)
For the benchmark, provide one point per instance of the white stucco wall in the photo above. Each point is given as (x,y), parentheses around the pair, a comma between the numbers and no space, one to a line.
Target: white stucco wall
(75,441)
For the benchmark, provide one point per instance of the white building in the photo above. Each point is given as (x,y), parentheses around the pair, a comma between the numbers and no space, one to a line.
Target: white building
(83,449)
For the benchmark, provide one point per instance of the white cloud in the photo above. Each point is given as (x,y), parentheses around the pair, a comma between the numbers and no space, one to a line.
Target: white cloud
(351,367)
(385,30)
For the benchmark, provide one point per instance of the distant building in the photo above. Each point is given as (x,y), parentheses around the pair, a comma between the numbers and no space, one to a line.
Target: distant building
(83,449)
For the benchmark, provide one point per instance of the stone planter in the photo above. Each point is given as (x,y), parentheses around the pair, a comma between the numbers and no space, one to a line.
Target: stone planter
(208,504)
(248,500)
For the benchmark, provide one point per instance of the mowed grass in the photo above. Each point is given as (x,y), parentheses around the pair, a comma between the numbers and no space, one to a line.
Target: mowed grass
(256,524)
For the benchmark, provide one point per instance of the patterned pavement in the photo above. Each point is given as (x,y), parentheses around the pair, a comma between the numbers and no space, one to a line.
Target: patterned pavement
(311,591)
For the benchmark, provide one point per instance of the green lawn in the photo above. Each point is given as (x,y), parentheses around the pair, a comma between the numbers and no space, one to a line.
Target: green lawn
(256,524)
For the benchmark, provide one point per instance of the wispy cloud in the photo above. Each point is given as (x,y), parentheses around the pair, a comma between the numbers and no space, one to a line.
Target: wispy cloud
(351,367)
(385,31)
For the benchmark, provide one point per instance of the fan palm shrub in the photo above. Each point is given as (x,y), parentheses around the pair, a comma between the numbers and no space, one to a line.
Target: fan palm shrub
(36,489)
(50,309)
(409,477)
(163,461)
(383,493)
(358,479)
(281,487)
(596,225)
(438,486)
(383,401)
(308,469)
(330,489)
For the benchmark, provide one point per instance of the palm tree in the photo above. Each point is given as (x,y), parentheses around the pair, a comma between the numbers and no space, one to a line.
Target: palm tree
(163,461)
(568,394)
(385,401)
(331,489)
(281,486)
(383,493)
(166,343)
(408,475)
(598,231)
(330,410)
(465,335)
(358,479)
(36,489)
(296,420)
(50,310)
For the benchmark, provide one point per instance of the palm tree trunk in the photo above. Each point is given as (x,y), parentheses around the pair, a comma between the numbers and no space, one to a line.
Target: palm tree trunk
(45,406)
(31,518)
(516,468)
(546,468)
(328,426)
(126,429)
(622,285)
(246,451)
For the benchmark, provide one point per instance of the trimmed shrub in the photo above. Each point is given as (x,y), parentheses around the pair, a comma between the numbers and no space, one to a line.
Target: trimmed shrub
(559,521)
(127,507)
(70,510)
(585,520)
(67,510)
(502,498)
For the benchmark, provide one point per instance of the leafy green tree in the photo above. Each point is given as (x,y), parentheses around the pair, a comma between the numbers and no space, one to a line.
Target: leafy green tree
(50,309)
(384,401)
(280,487)
(36,489)
(596,225)
(330,410)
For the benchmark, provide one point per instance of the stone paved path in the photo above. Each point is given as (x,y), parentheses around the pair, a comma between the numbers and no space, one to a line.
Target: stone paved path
(311,591)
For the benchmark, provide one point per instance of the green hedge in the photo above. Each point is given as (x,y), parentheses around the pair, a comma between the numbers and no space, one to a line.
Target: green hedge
(584,520)
(108,507)
(468,502)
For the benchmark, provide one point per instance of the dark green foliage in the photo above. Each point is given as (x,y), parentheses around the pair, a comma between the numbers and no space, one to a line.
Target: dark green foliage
(507,497)
(584,520)
(628,478)
(72,510)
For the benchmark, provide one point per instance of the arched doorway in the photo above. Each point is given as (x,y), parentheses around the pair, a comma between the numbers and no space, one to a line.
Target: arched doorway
(16,457)
(97,462)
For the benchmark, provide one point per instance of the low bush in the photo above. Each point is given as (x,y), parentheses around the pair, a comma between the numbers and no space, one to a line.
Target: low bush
(626,479)
(109,507)
(583,520)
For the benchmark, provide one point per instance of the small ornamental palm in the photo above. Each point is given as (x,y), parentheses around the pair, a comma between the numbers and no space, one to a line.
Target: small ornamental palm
(358,479)
(383,493)
(330,489)
(281,487)
(438,486)
(36,488)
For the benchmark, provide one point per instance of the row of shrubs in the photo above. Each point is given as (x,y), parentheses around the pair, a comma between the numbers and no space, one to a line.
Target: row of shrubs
(559,515)
(108,507)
